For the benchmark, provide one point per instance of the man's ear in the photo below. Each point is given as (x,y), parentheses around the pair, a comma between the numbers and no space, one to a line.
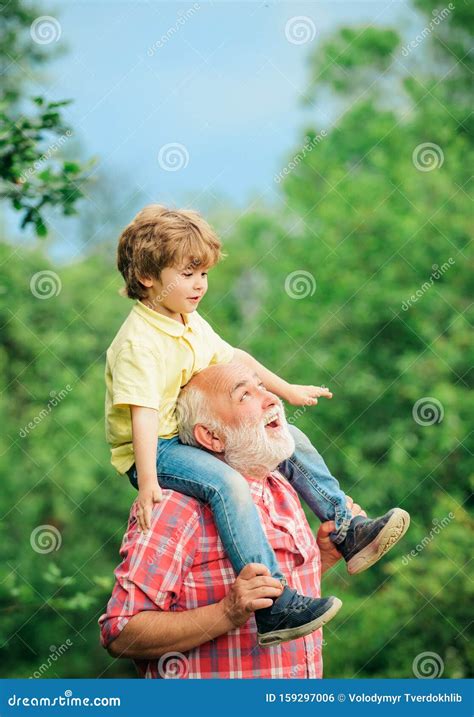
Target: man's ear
(208,439)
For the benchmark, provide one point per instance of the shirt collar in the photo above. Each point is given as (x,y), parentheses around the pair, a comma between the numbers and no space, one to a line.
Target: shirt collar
(257,485)
(161,322)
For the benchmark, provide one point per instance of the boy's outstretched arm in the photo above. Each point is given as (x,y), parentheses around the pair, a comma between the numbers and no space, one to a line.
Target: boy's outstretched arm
(293,393)
(145,444)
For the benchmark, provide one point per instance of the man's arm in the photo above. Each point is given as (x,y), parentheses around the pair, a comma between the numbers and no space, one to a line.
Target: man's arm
(150,634)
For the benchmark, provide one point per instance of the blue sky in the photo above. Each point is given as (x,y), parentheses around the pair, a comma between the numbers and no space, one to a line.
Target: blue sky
(226,85)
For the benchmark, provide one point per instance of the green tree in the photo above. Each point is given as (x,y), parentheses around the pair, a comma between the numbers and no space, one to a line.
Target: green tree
(33,173)
(320,289)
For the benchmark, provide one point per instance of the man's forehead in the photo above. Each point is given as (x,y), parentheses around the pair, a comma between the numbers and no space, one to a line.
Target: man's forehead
(244,379)
(225,379)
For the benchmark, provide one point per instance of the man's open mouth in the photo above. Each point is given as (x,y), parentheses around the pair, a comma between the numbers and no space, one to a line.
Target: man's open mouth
(273,420)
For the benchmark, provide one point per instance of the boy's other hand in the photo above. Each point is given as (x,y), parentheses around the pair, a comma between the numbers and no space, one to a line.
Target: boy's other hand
(147,496)
(306,395)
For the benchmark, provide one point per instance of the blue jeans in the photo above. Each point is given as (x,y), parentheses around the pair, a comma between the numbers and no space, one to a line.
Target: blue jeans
(196,472)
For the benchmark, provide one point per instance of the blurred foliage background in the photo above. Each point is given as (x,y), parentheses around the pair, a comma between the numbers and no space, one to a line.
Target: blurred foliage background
(372,219)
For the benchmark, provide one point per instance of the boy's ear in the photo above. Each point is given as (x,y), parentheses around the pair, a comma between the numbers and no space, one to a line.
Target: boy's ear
(146,281)
(208,439)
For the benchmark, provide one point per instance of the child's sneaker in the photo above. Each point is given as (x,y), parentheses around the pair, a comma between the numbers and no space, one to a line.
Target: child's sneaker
(293,615)
(367,540)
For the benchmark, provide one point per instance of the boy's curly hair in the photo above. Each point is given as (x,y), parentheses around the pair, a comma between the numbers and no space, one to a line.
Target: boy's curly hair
(158,238)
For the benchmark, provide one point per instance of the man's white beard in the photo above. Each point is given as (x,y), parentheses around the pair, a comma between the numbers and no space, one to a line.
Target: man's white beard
(253,450)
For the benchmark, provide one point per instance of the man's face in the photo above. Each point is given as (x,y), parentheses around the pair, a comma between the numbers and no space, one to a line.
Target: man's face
(256,435)
(243,399)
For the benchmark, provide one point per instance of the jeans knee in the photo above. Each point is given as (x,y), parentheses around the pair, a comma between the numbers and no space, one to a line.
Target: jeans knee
(236,490)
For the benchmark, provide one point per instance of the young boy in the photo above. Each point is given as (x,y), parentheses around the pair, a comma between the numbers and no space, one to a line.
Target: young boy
(164,256)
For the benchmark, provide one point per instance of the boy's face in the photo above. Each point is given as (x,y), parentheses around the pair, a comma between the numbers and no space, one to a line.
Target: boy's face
(178,290)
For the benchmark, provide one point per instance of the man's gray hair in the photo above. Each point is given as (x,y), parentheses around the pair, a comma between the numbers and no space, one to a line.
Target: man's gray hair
(192,408)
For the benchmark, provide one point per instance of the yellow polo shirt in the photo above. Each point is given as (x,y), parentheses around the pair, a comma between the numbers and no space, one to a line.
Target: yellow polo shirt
(150,359)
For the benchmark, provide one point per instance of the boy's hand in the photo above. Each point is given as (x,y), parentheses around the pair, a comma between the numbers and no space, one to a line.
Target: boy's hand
(306,395)
(147,495)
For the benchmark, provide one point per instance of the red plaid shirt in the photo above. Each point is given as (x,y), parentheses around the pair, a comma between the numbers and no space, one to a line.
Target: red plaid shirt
(180,564)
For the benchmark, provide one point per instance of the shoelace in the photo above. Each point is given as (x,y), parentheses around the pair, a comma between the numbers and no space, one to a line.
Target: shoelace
(298,602)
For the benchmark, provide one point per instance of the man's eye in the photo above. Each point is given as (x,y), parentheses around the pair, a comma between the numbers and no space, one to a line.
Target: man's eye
(262,385)
(188,274)
(244,395)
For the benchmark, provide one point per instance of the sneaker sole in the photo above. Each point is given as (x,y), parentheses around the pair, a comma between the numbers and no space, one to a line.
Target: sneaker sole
(277,636)
(395,529)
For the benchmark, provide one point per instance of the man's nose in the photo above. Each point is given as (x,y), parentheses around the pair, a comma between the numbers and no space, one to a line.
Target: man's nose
(269,399)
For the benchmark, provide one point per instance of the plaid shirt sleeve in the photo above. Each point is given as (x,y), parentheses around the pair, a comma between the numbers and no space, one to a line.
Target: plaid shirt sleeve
(154,564)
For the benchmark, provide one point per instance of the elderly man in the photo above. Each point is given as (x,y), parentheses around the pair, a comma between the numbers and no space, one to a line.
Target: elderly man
(177,607)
